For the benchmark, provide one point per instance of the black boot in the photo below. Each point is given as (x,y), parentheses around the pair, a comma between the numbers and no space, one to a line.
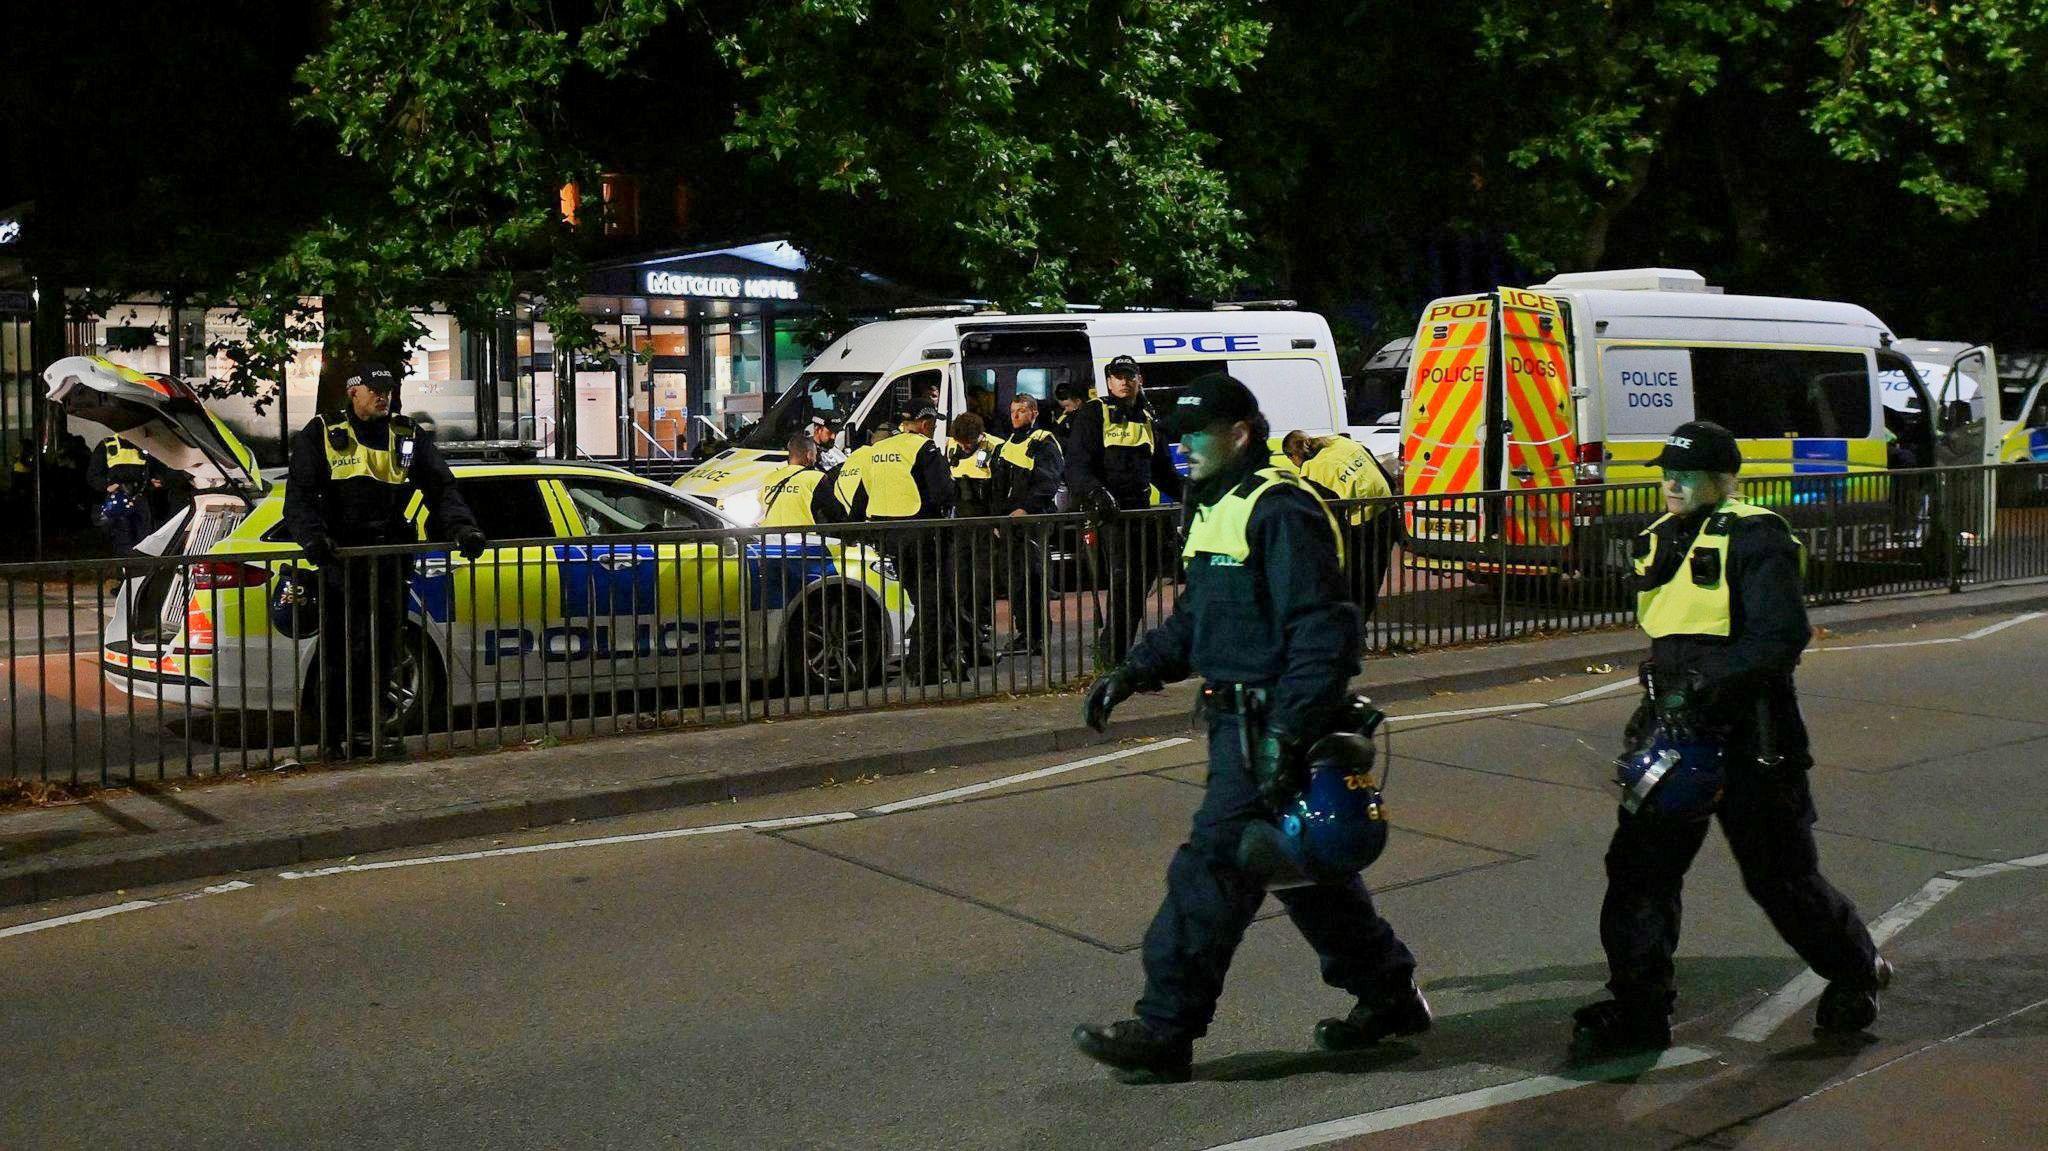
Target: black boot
(1405,1012)
(1137,1052)
(1848,1006)
(1612,1027)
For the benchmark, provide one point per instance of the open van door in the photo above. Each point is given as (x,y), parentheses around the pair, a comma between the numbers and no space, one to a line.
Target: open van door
(1444,420)
(1488,406)
(1540,447)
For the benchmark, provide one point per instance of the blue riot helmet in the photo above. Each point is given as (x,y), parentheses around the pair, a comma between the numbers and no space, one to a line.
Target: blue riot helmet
(295,604)
(1335,829)
(1675,772)
(119,505)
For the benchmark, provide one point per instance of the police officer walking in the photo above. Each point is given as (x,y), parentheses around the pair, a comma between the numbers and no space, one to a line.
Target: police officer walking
(122,480)
(1115,457)
(1718,590)
(1339,468)
(352,475)
(1026,478)
(1266,624)
(904,477)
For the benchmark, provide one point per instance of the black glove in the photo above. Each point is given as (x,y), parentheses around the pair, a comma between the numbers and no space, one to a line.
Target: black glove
(1112,689)
(470,542)
(1682,702)
(322,551)
(1278,767)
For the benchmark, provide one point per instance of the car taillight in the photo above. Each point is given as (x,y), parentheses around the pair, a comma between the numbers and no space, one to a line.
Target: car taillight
(1592,463)
(210,576)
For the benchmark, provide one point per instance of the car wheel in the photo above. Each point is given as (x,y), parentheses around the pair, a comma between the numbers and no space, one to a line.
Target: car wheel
(833,643)
(413,693)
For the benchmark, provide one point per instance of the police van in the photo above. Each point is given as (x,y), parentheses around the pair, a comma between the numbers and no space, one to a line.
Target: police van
(960,360)
(1576,382)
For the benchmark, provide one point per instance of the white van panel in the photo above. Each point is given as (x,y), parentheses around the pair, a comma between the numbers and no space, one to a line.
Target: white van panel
(1294,394)
(1648,390)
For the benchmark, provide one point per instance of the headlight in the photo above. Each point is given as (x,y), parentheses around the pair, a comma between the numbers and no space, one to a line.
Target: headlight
(743,509)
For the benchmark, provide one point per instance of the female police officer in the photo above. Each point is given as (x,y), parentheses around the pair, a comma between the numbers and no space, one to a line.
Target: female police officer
(1718,591)
(1266,623)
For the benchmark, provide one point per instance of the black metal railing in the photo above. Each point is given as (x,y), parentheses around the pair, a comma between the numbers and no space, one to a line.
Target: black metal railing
(245,657)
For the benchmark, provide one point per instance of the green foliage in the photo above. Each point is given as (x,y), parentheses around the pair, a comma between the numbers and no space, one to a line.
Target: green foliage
(1948,94)
(1050,138)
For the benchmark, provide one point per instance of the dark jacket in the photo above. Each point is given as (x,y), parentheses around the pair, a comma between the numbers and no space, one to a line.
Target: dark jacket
(1282,620)
(360,512)
(1126,472)
(1029,490)
(1746,677)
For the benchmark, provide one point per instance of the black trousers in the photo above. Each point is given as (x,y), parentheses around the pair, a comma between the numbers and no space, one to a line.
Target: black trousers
(1023,551)
(924,563)
(1129,555)
(1767,815)
(362,606)
(1210,901)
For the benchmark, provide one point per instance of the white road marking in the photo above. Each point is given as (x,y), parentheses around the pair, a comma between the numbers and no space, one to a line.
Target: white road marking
(118,908)
(1595,692)
(1494,710)
(1963,1034)
(1980,633)
(1771,1014)
(1994,629)
(1409,1114)
(1025,777)
(76,917)
(567,844)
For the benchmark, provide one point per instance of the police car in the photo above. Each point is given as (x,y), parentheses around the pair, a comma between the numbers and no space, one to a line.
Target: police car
(555,610)
(959,360)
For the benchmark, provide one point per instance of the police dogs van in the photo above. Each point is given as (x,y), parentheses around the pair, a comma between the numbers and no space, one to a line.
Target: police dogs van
(958,360)
(1577,381)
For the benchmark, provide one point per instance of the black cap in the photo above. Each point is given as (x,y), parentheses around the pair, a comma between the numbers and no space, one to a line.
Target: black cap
(1121,366)
(373,376)
(924,413)
(1212,399)
(1700,446)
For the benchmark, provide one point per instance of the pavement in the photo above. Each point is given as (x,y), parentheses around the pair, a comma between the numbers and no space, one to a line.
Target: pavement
(172,829)
(895,960)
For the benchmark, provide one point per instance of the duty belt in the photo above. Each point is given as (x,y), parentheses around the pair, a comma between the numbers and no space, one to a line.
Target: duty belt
(1240,699)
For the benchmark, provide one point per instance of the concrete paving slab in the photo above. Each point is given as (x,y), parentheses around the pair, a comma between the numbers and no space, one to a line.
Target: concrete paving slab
(1982,804)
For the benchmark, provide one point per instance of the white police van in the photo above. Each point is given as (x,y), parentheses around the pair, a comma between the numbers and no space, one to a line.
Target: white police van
(960,360)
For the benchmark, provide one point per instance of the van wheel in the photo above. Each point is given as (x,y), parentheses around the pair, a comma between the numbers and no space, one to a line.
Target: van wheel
(833,643)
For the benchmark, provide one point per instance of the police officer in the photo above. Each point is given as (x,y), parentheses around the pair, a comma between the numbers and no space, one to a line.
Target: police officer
(1115,458)
(122,480)
(970,456)
(1069,397)
(1265,622)
(1339,468)
(904,477)
(1718,590)
(352,475)
(795,493)
(1026,477)
(827,443)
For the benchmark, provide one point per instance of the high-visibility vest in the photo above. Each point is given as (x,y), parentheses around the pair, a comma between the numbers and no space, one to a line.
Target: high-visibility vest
(1696,599)
(1220,529)
(975,464)
(1345,467)
(120,454)
(1018,453)
(348,458)
(884,469)
(786,497)
(1125,433)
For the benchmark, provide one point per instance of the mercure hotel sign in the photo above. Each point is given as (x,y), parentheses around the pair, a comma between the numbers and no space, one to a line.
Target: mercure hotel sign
(720,287)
